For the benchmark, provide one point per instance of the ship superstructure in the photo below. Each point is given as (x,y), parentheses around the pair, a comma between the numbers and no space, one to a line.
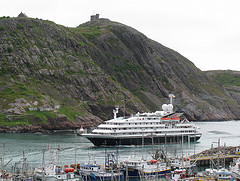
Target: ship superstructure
(145,128)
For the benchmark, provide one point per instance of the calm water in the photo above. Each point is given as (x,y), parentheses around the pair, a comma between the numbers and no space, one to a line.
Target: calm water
(72,148)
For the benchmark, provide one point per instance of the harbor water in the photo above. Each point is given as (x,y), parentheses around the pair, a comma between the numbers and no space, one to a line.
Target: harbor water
(68,148)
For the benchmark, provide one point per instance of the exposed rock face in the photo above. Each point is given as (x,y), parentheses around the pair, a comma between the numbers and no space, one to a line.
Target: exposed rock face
(89,69)
(152,71)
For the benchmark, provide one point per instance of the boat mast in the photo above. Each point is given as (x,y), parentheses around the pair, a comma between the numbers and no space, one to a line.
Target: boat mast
(218,153)
(124,111)
(142,141)
(43,165)
(75,152)
(152,142)
(2,158)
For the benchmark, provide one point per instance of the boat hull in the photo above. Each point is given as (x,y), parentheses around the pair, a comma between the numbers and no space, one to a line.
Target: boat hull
(94,176)
(136,173)
(113,141)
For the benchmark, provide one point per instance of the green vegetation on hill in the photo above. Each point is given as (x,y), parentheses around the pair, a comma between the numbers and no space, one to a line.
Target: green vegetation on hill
(228,78)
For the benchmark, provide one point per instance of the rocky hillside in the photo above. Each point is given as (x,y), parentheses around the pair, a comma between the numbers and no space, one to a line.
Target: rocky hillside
(54,77)
(229,79)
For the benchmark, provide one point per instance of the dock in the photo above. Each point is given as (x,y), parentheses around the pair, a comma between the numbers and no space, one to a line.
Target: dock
(207,160)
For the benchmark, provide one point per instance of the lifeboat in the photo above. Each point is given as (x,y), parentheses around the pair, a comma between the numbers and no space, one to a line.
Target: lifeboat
(165,118)
(153,161)
(66,170)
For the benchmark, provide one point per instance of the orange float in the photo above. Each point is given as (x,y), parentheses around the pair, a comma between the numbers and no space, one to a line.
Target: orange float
(153,161)
(66,170)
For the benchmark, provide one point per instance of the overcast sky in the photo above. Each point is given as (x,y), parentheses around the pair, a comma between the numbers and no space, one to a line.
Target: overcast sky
(207,32)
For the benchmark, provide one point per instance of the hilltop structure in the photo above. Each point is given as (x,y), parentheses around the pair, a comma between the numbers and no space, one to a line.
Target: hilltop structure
(94,17)
(22,15)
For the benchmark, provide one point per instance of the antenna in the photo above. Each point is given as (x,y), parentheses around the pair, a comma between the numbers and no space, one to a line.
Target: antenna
(115,111)
(171,96)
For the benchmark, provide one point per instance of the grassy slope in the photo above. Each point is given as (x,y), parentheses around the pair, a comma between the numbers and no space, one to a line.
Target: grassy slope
(68,64)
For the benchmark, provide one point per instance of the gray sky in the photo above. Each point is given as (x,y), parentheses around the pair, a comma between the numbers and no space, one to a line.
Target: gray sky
(207,32)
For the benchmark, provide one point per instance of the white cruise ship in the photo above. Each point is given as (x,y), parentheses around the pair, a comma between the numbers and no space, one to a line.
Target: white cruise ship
(145,128)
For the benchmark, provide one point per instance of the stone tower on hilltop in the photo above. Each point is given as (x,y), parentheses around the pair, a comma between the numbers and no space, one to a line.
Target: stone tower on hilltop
(94,17)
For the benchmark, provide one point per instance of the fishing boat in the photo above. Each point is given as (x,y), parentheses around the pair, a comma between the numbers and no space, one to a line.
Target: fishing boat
(157,127)
(145,168)
(94,172)
(52,172)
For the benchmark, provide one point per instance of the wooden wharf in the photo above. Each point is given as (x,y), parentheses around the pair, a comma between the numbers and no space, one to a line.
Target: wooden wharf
(206,159)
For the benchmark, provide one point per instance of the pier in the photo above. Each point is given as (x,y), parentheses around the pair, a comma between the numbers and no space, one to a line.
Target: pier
(213,159)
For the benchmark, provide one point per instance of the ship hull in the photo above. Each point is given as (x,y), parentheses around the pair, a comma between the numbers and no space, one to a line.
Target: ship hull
(113,141)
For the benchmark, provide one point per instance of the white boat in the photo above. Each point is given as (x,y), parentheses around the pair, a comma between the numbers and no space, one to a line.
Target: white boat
(180,163)
(224,174)
(52,172)
(235,168)
(216,174)
(79,131)
(151,128)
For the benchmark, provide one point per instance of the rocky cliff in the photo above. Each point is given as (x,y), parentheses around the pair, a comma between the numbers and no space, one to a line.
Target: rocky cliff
(54,77)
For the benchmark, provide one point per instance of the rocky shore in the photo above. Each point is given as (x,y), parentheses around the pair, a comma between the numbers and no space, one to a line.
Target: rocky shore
(52,125)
